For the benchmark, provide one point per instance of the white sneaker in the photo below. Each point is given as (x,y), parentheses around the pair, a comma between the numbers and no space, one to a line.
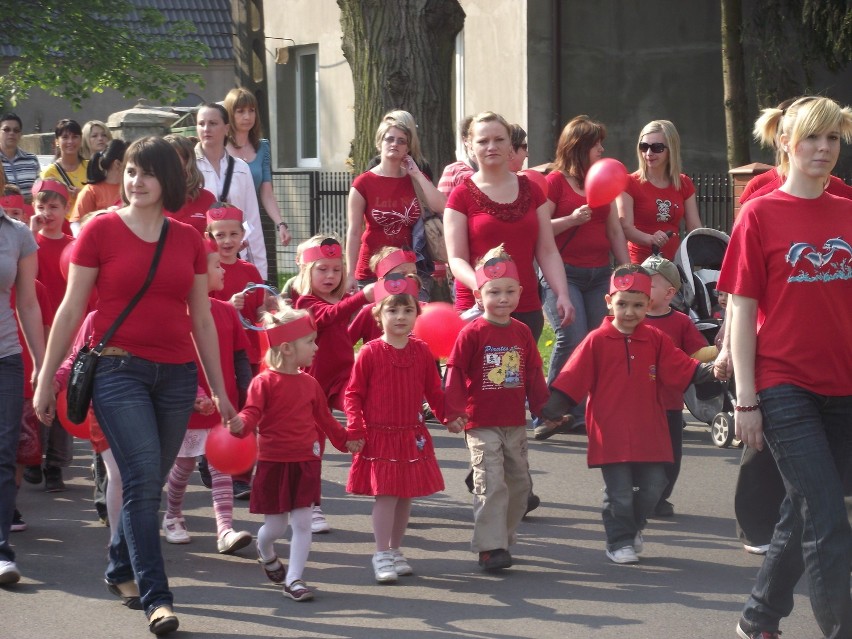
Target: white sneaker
(638,543)
(319,525)
(400,563)
(9,573)
(756,550)
(174,529)
(231,541)
(624,555)
(383,567)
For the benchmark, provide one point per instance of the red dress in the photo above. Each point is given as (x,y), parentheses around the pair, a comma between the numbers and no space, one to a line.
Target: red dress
(383,405)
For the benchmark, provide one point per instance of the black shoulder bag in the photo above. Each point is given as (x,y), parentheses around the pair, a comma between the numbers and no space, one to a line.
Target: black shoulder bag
(79,393)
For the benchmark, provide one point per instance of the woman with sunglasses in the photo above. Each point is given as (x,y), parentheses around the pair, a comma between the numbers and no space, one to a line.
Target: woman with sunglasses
(789,252)
(658,195)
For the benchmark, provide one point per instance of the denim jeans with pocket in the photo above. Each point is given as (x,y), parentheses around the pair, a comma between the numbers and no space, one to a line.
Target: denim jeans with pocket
(143,408)
(810,436)
(631,494)
(11,414)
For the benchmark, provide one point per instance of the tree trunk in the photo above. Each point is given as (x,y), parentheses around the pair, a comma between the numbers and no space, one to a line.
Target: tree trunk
(737,123)
(401,56)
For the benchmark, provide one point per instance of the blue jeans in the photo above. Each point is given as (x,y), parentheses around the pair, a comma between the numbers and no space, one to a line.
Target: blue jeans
(11,413)
(625,511)
(586,289)
(143,408)
(810,436)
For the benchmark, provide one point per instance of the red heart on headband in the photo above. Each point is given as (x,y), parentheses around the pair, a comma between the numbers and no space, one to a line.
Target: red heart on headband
(331,250)
(623,282)
(495,270)
(395,286)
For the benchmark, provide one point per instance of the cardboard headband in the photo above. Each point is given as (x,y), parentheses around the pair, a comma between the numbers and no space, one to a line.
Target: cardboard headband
(494,269)
(623,280)
(395,284)
(13,201)
(39,186)
(291,331)
(220,213)
(391,261)
(329,249)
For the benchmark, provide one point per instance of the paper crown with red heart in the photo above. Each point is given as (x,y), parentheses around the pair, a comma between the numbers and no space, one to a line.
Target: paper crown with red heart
(221,211)
(291,331)
(494,269)
(328,249)
(13,201)
(626,280)
(394,259)
(395,284)
(40,186)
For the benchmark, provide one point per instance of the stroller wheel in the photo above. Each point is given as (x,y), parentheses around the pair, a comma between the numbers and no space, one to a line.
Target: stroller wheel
(722,429)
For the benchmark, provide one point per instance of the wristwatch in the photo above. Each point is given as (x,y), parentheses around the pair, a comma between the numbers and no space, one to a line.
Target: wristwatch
(284,224)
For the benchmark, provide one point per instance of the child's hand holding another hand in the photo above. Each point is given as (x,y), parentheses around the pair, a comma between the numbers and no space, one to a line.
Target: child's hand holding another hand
(355,445)
(235,425)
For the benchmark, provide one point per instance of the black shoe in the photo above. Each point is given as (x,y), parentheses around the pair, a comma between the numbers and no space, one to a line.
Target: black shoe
(33,474)
(746,631)
(664,509)
(18,523)
(543,432)
(495,559)
(204,471)
(533,502)
(53,479)
(241,490)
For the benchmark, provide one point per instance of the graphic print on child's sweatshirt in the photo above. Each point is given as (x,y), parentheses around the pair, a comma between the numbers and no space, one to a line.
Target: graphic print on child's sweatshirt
(502,367)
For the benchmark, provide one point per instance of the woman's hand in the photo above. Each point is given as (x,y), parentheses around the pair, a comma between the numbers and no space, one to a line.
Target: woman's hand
(565,309)
(658,238)
(44,404)
(749,428)
(227,412)
(581,215)
(284,235)
(410,166)
(351,285)
(723,366)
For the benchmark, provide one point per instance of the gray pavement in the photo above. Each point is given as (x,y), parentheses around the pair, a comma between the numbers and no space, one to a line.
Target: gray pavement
(692,581)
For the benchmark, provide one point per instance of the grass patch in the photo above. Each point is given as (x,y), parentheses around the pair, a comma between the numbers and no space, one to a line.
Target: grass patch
(545,346)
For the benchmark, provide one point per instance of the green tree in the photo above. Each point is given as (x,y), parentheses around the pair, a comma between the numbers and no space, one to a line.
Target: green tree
(401,55)
(75,48)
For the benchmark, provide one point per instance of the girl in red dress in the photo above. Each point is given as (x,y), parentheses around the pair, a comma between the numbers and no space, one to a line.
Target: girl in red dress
(383,406)
(321,287)
(287,408)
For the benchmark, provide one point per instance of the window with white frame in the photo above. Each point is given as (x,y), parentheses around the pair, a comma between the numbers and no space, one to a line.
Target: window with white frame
(295,109)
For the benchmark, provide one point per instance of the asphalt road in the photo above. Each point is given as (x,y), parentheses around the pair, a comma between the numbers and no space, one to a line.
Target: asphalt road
(691,582)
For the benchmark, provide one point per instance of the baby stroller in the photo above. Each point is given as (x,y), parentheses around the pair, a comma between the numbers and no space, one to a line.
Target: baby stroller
(699,260)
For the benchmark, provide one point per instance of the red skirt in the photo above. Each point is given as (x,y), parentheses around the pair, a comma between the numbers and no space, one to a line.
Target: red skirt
(280,487)
(397,461)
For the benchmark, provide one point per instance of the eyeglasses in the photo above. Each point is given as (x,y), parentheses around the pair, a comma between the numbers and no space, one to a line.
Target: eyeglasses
(656,147)
(389,139)
(8,129)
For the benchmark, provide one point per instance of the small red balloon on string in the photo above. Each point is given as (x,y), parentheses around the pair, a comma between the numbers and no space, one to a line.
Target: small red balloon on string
(438,325)
(605,181)
(229,454)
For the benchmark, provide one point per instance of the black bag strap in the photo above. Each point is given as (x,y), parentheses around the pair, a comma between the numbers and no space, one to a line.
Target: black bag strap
(229,172)
(151,271)
(64,175)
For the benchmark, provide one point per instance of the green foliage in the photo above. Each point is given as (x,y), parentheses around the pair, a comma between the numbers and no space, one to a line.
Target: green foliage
(792,38)
(75,48)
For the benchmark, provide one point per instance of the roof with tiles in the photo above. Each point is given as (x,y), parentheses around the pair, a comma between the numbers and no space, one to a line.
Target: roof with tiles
(212,19)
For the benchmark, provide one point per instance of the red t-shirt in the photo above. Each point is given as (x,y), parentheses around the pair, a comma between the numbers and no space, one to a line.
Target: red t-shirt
(390,213)
(687,338)
(237,276)
(288,412)
(49,273)
(232,339)
(333,361)
(656,209)
(587,245)
(158,328)
(623,374)
(489,224)
(836,186)
(194,212)
(492,372)
(758,182)
(364,326)
(792,255)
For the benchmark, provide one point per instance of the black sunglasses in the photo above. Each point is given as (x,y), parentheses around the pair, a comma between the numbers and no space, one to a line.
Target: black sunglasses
(656,147)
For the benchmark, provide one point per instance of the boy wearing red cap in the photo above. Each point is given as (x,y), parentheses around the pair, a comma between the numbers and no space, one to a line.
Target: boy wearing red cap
(622,365)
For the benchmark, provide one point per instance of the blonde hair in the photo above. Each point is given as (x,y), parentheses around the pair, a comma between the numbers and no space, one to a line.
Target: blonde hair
(284,315)
(672,142)
(186,151)
(87,131)
(806,116)
(488,116)
(302,283)
(240,98)
(497,251)
(402,299)
(403,121)
(382,253)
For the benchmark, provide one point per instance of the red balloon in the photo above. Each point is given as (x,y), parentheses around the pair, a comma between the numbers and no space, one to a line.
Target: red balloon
(438,325)
(81,431)
(536,178)
(605,181)
(65,259)
(229,454)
